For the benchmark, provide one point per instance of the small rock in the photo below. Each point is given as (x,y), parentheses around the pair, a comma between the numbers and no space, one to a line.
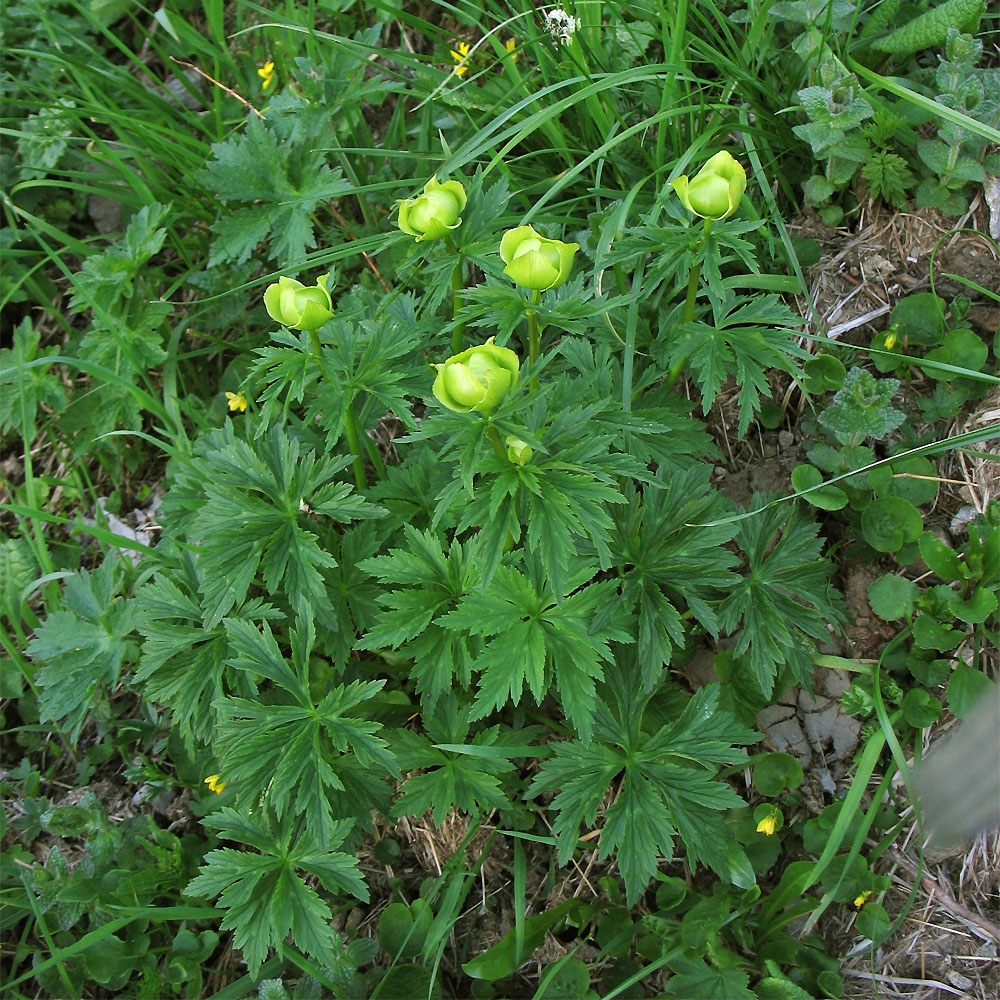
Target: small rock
(808,703)
(788,736)
(786,439)
(826,781)
(774,714)
(836,682)
(961,521)
(959,981)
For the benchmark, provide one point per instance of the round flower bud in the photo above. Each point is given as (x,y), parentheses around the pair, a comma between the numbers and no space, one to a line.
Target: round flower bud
(476,379)
(296,306)
(430,215)
(518,452)
(715,191)
(535,262)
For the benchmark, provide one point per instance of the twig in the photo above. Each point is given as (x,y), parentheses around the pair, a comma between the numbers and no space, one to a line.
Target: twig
(222,86)
(371,263)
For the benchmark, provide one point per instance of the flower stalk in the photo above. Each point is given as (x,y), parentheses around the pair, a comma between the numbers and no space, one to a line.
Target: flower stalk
(691,298)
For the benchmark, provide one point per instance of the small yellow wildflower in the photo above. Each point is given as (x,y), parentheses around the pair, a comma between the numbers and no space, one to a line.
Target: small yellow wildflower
(860,901)
(890,341)
(214,785)
(510,45)
(266,73)
(768,825)
(462,58)
(237,401)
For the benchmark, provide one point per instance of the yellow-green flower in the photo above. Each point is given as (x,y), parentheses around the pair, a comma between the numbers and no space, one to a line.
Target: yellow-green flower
(536,262)
(476,379)
(237,401)
(860,900)
(518,452)
(296,306)
(715,191)
(432,214)
(510,45)
(266,73)
(462,58)
(214,785)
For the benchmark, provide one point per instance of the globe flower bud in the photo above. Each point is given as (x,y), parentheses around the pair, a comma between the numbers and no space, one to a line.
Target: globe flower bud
(535,262)
(430,215)
(715,190)
(476,379)
(518,452)
(292,304)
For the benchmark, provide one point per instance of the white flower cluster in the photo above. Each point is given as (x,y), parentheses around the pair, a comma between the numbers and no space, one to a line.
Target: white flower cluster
(561,25)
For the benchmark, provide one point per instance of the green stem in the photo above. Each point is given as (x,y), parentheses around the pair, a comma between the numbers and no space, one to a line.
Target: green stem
(689,301)
(457,287)
(494,436)
(350,424)
(534,337)
(354,443)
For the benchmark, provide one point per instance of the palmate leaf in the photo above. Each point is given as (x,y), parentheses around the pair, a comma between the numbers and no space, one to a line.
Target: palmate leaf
(183,664)
(533,640)
(467,782)
(246,506)
(22,389)
(785,600)
(264,895)
(668,787)
(281,184)
(672,564)
(81,647)
(745,339)
(291,754)
(434,583)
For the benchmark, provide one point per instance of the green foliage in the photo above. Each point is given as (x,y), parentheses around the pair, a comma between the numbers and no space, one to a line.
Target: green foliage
(82,647)
(668,787)
(263,894)
(27,386)
(930,29)
(272,186)
(862,409)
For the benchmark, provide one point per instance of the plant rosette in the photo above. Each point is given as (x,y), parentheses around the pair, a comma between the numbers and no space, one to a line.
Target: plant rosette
(715,191)
(534,262)
(297,306)
(476,379)
(434,213)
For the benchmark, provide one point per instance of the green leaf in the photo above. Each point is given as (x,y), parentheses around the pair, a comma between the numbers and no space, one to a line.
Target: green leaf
(965,689)
(889,523)
(505,957)
(24,389)
(892,596)
(282,184)
(873,921)
(975,610)
(785,600)
(862,409)
(920,708)
(264,897)
(700,981)
(668,788)
(808,477)
(82,648)
(245,506)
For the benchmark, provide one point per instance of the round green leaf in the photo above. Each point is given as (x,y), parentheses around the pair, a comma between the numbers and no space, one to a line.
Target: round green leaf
(966,687)
(930,673)
(917,491)
(928,633)
(824,372)
(888,523)
(940,558)
(920,708)
(873,922)
(804,477)
(770,414)
(892,596)
(975,610)
(966,349)
(774,772)
(571,979)
(402,930)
